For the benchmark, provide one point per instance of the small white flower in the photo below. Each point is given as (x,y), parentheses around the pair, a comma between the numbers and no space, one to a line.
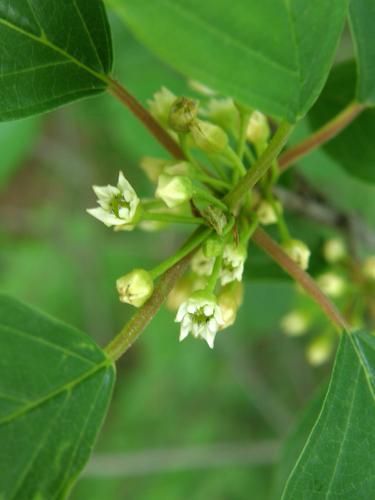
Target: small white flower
(118,206)
(331,284)
(201,316)
(234,258)
(299,252)
(174,191)
(334,250)
(202,265)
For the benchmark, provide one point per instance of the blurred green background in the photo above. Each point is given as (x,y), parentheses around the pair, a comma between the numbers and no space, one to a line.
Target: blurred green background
(185,422)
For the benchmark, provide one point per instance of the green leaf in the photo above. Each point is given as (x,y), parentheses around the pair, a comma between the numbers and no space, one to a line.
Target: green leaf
(353,148)
(55,387)
(271,55)
(337,460)
(16,140)
(52,52)
(362,20)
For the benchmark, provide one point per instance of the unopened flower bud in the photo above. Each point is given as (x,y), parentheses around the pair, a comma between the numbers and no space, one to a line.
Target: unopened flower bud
(208,137)
(294,323)
(232,267)
(174,191)
(212,247)
(153,167)
(258,130)
(299,252)
(183,168)
(230,299)
(266,212)
(334,250)
(161,104)
(182,114)
(223,112)
(331,284)
(202,265)
(319,350)
(369,268)
(215,218)
(135,288)
(182,290)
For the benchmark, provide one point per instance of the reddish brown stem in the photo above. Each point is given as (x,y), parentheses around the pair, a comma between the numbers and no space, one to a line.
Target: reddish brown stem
(146,118)
(321,136)
(274,250)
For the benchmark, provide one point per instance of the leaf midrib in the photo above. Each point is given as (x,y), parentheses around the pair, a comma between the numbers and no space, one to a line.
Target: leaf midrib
(46,42)
(66,387)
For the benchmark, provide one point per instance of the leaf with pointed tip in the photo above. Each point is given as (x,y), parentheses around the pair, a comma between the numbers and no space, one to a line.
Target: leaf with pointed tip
(55,387)
(272,55)
(337,460)
(51,52)
(362,21)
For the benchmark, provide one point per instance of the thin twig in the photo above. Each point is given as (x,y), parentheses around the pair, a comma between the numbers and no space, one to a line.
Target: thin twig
(146,118)
(321,136)
(274,250)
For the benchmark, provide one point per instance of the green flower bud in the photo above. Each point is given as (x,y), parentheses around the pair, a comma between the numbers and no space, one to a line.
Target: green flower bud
(135,288)
(153,167)
(334,250)
(319,350)
(174,191)
(369,268)
(208,137)
(184,287)
(331,284)
(295,323)
(299,252)
(212,247)
(183,168)
(223,112)
(266,212)
(161,104)
(229,300)
(258,130)
(182,114)
(215,218)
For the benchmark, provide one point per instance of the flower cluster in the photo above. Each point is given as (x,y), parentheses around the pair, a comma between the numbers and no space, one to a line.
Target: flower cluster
(220,140)
(352,292)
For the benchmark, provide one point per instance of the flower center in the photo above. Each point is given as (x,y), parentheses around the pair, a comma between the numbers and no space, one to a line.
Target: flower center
(118,202)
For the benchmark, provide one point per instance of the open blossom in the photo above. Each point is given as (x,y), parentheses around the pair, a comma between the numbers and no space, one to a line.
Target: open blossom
(118,205)
(201,316)
(234,257)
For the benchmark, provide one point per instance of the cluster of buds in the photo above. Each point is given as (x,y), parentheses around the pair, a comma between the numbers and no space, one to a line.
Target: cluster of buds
(193,191)
(348,282)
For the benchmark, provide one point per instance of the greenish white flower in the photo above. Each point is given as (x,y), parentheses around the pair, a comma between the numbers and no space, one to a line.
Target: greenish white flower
(230,299)
(201,316)
(232,267)
(118,205)
(299,252)
(174,191)
(135,288)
